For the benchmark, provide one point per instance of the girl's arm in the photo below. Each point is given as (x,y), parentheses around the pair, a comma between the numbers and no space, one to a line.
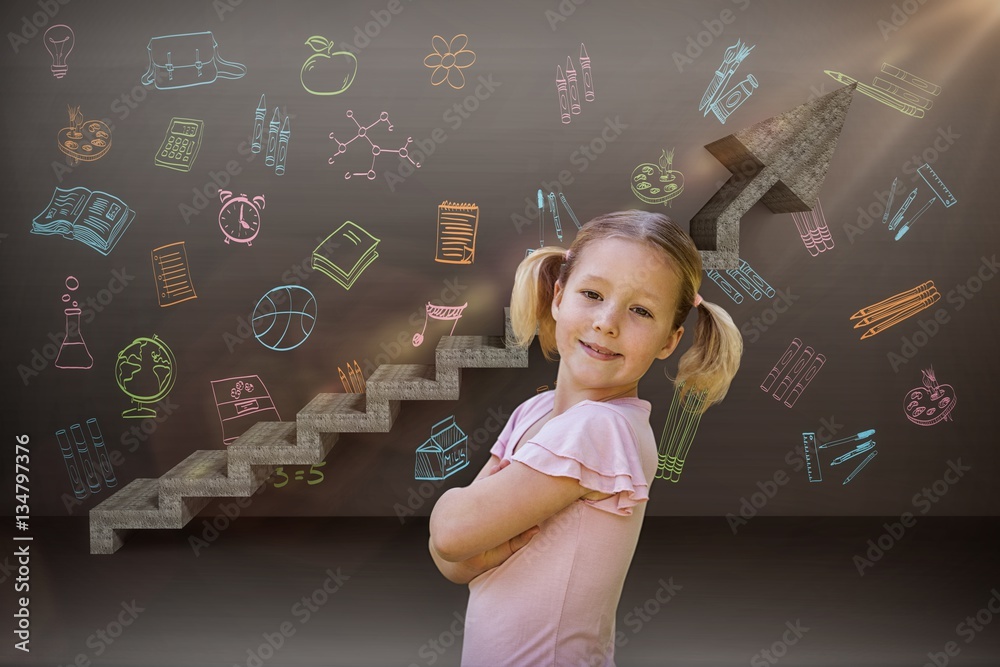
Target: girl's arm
(498,509)
(457,573)
(465,571)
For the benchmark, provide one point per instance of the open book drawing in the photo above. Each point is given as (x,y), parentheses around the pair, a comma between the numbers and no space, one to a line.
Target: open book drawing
(91,217)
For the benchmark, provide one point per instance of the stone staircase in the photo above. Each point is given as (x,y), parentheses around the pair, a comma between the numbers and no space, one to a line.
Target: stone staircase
(175,498)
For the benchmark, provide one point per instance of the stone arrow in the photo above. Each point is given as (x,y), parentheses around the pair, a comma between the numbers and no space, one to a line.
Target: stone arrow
(781,161)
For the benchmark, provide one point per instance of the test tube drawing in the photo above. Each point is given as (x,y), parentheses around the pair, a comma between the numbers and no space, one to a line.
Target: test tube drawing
(72,468)
(103,461)
(88,463)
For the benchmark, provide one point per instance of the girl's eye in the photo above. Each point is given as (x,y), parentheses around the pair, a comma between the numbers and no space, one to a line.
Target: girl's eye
(642,312)
(590,294)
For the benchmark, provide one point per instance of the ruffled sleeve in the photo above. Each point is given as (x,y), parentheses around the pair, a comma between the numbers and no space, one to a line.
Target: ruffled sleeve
(594,443)
(518,416)
(500,446)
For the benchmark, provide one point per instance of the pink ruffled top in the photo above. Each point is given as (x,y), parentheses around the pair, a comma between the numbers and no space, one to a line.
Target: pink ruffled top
(554,601)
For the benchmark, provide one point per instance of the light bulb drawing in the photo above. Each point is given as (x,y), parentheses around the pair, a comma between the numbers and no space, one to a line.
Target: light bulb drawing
(59,41)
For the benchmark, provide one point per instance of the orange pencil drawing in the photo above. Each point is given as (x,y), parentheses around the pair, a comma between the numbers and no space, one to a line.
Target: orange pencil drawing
(894,310)
(893,300)
(899,317)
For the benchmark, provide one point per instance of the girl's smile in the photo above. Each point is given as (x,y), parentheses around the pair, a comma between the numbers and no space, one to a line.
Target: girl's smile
(599,351)
(613,317)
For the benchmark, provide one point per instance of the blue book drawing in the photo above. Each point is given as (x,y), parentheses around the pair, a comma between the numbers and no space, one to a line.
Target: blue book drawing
(94,218)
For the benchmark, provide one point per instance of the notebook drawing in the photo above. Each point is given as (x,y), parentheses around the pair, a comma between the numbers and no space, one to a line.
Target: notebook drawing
(345,254)
(456,233)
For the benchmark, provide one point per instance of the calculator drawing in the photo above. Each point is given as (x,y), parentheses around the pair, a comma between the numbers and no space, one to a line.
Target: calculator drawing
(180,146)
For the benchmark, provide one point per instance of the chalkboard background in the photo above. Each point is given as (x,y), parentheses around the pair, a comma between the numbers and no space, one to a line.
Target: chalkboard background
(495,141)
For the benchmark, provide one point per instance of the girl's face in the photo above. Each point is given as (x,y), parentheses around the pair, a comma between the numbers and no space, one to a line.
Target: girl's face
(613,317)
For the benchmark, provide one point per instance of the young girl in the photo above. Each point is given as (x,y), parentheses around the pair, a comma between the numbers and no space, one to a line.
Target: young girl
(574,465)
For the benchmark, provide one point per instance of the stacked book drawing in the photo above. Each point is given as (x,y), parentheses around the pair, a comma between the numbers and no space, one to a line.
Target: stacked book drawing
(456,232)
(345,254)
(94,218)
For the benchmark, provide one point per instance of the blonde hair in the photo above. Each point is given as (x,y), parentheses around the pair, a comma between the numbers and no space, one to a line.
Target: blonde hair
(710,364)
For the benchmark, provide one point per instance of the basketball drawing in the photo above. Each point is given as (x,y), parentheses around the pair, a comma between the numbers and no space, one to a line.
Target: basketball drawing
(284,317)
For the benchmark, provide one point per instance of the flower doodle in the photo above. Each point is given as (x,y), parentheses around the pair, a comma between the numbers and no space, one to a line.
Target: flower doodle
(449,59)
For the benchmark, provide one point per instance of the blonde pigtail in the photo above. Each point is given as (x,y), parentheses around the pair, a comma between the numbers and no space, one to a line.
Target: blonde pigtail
(531,298)
(712,361)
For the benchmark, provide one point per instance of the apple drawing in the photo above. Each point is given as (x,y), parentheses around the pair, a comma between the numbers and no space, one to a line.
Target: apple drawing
(327,72)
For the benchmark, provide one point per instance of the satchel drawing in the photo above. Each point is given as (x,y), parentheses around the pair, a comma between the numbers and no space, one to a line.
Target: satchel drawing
(192,59)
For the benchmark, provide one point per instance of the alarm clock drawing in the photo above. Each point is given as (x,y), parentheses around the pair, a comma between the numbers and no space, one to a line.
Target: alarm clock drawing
(239,217)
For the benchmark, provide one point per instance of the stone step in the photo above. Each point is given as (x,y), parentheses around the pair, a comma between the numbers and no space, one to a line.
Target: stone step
(138,506)
(344,413)
(273,444)
(174,499)
(206,473)
(479,352)
(411,382)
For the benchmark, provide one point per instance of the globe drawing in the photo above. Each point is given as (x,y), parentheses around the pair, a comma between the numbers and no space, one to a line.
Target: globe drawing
(145,371)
